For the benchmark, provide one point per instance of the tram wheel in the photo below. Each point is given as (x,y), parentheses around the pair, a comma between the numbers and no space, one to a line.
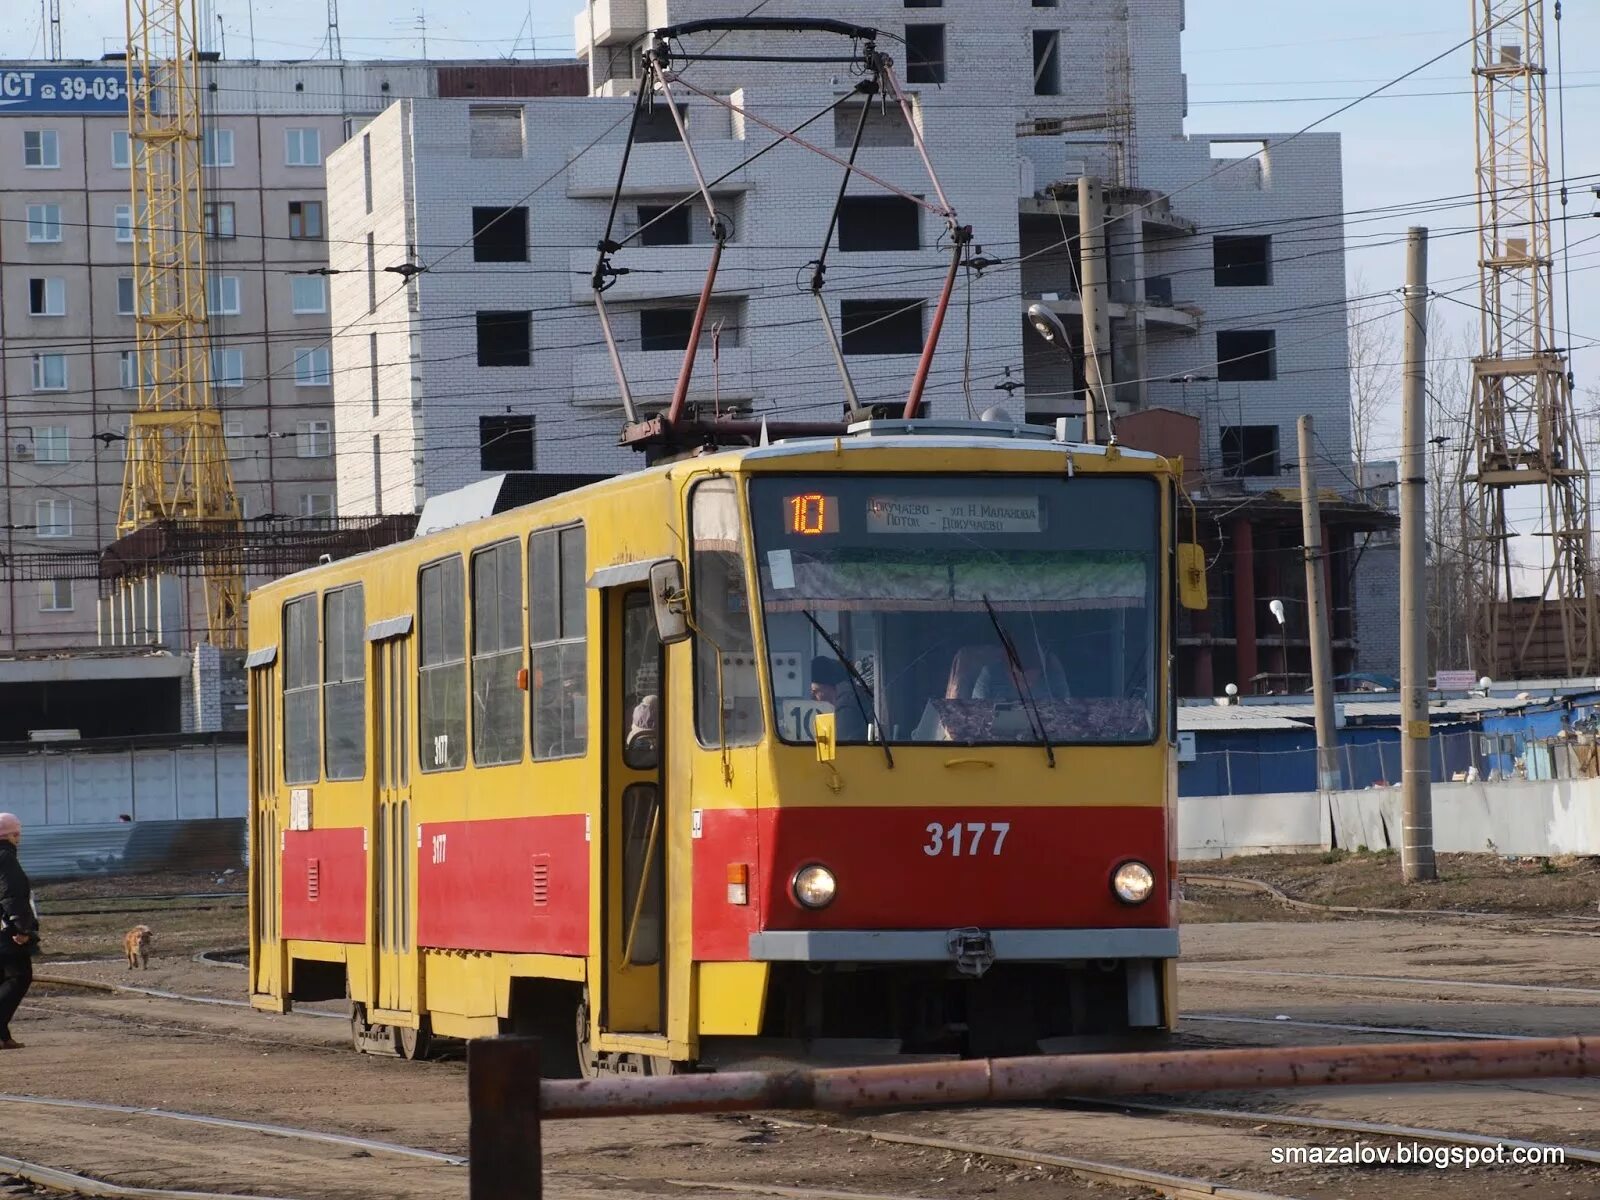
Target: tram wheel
(358,1026)
(413,1044)
(660,1064)
(588,1060)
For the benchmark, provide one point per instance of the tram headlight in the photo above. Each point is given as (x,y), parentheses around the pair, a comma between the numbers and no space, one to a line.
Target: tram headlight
(814,886)
(1133,882)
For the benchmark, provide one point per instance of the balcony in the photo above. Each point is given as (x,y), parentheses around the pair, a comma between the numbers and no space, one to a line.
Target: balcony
(662,166)
(614,22)
(652,374)
(663,272)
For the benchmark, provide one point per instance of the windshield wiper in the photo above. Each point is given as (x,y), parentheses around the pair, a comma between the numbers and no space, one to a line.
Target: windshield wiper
(861,686)
(1019,676)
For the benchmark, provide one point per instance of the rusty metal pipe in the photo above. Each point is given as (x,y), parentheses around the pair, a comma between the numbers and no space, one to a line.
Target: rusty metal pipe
(1062,1076)
(920,381)
(680,394)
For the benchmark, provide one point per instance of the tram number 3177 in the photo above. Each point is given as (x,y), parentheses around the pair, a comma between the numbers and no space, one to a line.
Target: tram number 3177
(948,839)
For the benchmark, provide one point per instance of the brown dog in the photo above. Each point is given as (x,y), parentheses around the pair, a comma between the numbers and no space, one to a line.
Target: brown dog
(136,944)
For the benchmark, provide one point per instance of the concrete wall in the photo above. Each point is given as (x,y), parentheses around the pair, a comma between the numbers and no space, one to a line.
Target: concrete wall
(1521,817)
(83,787)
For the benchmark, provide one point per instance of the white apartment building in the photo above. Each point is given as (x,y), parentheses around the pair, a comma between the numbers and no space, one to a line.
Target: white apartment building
(66,294)
(1229,275)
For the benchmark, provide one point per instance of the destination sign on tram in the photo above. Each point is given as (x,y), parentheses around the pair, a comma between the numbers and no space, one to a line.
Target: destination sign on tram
(939,514)
(68,91)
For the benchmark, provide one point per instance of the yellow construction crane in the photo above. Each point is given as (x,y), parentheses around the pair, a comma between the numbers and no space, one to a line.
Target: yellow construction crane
(177,464)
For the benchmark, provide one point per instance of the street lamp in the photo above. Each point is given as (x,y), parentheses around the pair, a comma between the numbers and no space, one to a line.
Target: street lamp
(1049,327)
(1276,609)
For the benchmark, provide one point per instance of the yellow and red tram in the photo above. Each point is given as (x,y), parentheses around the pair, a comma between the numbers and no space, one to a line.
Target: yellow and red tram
(841,746)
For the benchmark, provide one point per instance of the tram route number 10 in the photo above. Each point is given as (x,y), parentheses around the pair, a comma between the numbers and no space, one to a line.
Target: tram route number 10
(947,839)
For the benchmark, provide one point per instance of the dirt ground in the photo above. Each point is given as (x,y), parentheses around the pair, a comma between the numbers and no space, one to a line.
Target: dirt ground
(1550,887)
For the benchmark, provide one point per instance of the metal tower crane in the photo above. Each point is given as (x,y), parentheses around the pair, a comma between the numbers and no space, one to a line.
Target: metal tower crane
(1524,433)
(177,461)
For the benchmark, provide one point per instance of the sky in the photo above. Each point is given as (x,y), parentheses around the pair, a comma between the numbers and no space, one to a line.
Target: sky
(1254,66)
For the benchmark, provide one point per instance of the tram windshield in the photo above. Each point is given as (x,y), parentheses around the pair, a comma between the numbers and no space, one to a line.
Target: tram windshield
(970,609)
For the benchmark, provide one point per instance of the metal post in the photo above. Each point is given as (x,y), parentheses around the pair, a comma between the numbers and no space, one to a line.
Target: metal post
(1227,765)
(1416,846)
(1094,298)
(1317,618)
(503,1102)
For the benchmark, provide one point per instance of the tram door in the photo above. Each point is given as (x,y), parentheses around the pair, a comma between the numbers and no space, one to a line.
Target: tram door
(394,851)
(266,844)
(635,818)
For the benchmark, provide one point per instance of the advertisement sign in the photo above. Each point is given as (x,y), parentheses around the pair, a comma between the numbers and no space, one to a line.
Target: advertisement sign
(69,91)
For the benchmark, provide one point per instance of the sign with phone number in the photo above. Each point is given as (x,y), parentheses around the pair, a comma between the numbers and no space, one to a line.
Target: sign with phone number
(47,90)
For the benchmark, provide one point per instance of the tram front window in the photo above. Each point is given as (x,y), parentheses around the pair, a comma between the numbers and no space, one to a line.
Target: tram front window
(968,609)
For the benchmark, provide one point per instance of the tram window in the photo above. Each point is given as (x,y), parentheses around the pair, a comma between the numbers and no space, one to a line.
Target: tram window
(344,687)
(442,669)
(558,631)
(302,752)
(732,716)
(496,655)
(643,868)
(641,683)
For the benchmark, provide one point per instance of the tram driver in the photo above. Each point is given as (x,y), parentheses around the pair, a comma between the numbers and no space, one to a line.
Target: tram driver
(831,684)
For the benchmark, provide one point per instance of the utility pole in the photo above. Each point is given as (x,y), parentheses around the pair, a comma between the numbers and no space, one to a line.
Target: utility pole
(1317,617)
(1416,776)
(1094,297)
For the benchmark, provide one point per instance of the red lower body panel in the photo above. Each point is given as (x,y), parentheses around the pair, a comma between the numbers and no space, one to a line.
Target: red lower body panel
(927,868)
(520,884)
(325,885)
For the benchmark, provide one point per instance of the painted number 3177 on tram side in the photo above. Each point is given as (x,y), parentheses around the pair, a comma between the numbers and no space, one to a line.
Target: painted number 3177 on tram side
(837,747)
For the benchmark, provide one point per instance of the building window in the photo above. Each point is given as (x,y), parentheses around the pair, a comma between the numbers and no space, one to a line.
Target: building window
(505,339)
(722,615)
(218,217)
(47,297)
(216,148)
(924,53)
(497,654)
(441,667)
(302,751)
(313,367)
(1046,62)
(372,368)
(372,274)
(41,148)
(344,682)
(1247,355)
(505,443)
(656,124)
(1242,261)
(49,372)
(1250,451)
(222,295)
(126,366)
(377,474)
(881,326)
(125,296)
(558,631)
(52,518)
(500,234)
(227,368)
(44,222)
(1046,3)
(316,506)
(665,328)
(55,595)
(122,221)
(495,131)
(366,167)
(52,444)
(121,150)
(664,225)
(313,439)
(879,223)
(924,3)
(302,147)
(308,294)
(305,220)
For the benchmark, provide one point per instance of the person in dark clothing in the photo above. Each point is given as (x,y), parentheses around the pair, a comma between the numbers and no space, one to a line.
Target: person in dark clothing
(19,929)
(831,684)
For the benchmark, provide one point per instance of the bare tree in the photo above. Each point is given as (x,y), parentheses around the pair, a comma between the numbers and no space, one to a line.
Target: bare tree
(1374,333)
(1449,392)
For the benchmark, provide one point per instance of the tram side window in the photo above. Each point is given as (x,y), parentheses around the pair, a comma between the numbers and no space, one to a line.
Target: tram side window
(442,669)
(727,707)
(302,750)
(558,631)
(344,686)
(496,655)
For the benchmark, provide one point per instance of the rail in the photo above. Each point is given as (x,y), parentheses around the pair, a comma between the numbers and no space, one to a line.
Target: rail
(506,1115)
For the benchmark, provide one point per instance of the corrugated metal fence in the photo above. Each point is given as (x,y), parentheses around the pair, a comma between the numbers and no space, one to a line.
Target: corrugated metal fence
(75,851)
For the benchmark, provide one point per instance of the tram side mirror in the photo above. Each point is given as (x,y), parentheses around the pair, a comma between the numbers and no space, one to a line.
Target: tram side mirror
(1192,576)
(670,601)
(823,732)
